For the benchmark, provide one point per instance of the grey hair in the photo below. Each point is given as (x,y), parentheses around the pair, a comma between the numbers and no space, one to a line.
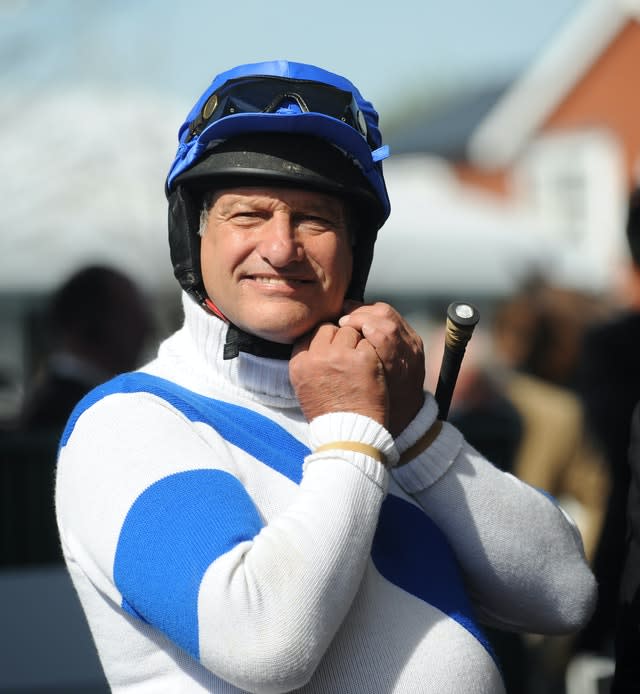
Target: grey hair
(207,203)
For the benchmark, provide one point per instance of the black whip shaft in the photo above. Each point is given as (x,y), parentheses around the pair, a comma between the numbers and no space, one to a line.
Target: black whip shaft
(461,320)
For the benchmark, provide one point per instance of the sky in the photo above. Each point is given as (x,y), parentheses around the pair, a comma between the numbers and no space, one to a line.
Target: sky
(385,47)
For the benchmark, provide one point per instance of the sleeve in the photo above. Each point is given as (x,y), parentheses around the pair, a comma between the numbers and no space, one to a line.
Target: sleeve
(186,548)
(521,555)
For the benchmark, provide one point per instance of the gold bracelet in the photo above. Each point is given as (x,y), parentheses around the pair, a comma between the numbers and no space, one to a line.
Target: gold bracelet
(371,451)
(422,443)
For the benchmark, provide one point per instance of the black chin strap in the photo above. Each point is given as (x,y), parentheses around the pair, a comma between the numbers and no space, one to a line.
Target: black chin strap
(238,341)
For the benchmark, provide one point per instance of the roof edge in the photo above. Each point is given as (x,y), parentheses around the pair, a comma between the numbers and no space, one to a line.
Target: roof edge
(501,135)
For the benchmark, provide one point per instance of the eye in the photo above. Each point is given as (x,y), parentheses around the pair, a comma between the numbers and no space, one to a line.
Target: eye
(316,223)
(248,217)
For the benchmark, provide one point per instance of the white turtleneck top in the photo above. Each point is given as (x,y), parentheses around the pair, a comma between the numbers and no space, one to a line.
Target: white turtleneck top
(214,551)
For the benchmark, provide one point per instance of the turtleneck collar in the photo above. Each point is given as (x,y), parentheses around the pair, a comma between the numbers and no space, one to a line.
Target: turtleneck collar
(200,345)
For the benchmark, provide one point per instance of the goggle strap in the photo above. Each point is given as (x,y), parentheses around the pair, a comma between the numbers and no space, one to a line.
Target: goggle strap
(292,96)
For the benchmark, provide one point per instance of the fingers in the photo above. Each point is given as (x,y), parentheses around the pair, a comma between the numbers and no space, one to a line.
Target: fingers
(335,369)
(370,318)
(400,351)
(370,342)
(347,337)
(384,328)
(327,334)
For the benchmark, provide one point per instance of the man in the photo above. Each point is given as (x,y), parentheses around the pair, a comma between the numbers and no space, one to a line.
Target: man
(627,641)
(97,325)
(609,384)
(249,511)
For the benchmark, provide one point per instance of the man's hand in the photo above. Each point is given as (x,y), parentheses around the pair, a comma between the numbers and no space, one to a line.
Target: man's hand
(401,352)
(335,370)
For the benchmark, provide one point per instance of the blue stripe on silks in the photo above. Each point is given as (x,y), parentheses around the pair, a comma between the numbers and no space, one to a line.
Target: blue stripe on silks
(172,533)
(410,551)
(256,434)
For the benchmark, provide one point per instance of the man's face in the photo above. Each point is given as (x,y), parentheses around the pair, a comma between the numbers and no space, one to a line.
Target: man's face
(276,261)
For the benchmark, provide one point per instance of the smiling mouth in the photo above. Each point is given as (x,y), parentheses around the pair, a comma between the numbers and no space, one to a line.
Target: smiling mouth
(279,281)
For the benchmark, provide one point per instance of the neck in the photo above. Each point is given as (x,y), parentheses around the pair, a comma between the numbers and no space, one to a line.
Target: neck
(205,338)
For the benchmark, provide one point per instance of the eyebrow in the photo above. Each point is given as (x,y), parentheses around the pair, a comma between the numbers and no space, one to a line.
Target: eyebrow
(324,207)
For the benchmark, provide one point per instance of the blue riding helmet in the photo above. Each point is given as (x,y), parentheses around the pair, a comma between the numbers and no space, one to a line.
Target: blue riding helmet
(277,123)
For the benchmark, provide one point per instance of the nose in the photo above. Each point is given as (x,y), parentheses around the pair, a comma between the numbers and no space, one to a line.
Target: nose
(279,243)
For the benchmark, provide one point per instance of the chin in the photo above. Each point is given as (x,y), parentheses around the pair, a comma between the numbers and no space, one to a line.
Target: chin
(284,337)
(277,327)
(269,330)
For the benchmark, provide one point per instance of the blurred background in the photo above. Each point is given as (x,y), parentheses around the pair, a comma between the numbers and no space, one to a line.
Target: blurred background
(515,140)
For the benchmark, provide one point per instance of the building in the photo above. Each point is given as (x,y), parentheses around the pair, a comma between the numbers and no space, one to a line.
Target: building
(552,156)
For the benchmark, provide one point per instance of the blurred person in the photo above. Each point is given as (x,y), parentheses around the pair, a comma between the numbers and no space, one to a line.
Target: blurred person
(536,335)
(272,504)
(94,326)
(97,324)
(627,637)
(609,384)
(540,329)
(537,361)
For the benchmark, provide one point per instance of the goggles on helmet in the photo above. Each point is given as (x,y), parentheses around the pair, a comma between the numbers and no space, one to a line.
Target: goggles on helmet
(265,94)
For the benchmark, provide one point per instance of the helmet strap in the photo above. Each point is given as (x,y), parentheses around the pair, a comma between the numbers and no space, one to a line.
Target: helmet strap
(238,340)
(210,307)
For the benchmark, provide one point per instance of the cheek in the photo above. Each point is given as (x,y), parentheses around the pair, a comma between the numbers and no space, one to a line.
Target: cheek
(219,257)
(344,264)
(332,261)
